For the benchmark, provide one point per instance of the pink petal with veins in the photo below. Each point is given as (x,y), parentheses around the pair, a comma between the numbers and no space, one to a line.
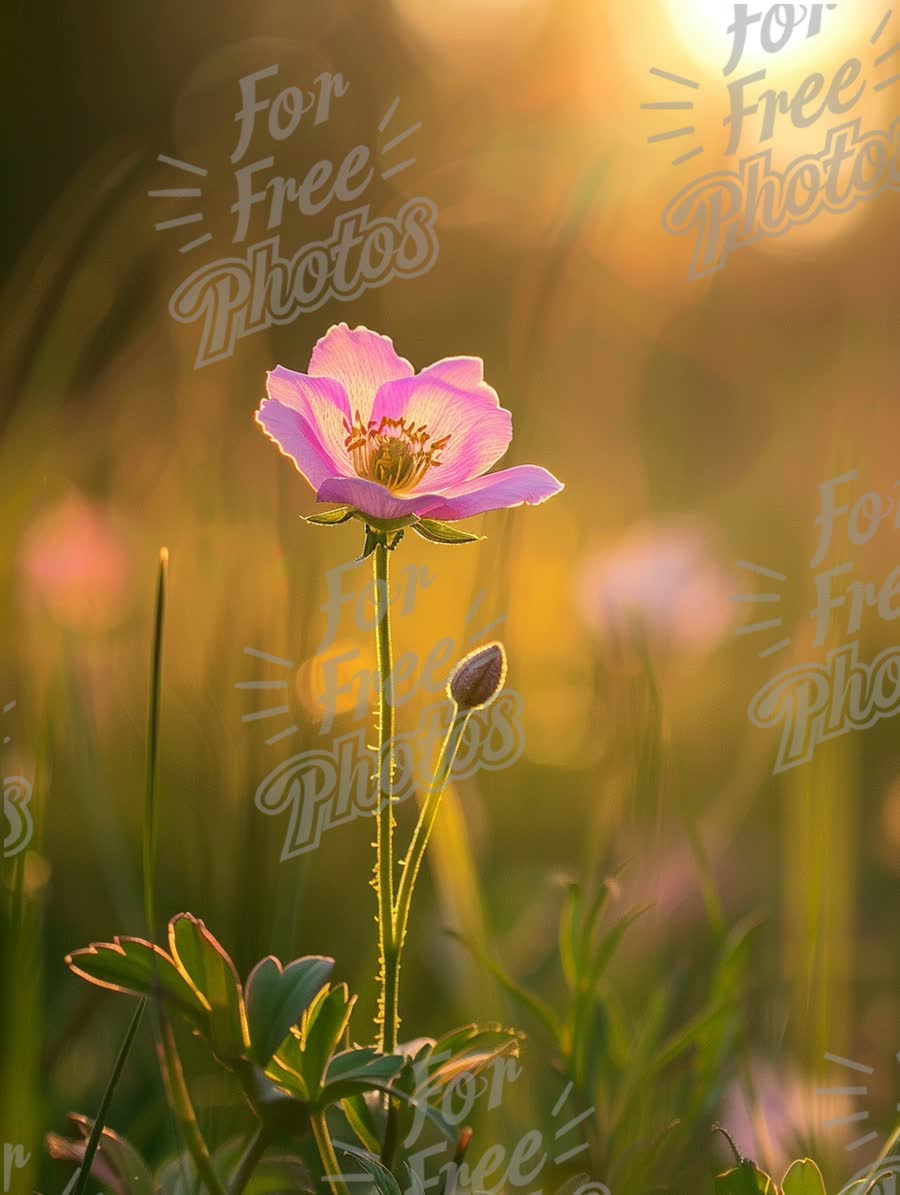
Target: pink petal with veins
(361,361)
(510,487)
(299,440)
(323,404)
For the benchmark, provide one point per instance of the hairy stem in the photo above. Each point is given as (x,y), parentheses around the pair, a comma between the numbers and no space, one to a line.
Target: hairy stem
(389,977)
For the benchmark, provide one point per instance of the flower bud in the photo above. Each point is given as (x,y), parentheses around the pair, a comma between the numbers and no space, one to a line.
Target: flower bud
(478,677)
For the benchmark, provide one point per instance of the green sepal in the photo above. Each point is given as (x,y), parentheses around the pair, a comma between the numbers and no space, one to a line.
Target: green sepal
(330,518)
(443,533)
(384,524)
(372,540)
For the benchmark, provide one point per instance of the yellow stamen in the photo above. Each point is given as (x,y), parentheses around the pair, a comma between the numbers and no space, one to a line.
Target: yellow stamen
(393,452)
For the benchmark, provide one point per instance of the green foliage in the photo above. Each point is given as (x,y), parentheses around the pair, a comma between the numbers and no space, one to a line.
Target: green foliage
(199,956)
(197,980)
(633,1064)
(277,997)
(140,968)
(121,1169)
(803,1177)
(745,1179)
(285,1035)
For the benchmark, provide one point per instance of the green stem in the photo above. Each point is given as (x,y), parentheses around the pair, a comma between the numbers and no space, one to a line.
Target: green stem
(248,1163)
(388,1014)
(180,1102)
(417,847)
(330,1167)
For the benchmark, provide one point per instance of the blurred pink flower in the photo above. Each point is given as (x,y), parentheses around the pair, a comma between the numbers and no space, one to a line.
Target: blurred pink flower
(784,1119)
(665,576)
(75,563)
(367,431)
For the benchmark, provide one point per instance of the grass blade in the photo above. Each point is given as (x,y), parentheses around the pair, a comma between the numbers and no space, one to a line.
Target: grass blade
(100,1119)
(153,746)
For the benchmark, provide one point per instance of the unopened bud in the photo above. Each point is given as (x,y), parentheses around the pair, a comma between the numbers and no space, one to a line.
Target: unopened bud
(478,677)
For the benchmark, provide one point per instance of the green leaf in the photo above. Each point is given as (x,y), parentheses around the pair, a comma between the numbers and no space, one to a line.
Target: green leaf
(204,961)
(330,518)
(361,1118)
(745,1179)
(568,935)
(803,1178)
(421,1085)
(286,1068)
(469,1049)
(443,533)
(277,998)
(359,1070)
(384,1181)
(300,1063)
(323,1027)
(140,968)
(608,944)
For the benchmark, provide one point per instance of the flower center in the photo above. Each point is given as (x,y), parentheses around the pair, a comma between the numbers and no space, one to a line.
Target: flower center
(393,452)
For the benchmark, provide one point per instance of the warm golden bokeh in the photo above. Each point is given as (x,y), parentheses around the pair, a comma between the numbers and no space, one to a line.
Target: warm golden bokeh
(692,421)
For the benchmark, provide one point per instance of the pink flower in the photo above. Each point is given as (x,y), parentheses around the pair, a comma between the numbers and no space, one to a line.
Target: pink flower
(367,431)
(74,560)
(783,1116)
(668,576)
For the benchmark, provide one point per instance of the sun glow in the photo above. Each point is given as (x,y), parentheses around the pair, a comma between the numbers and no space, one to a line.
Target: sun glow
(794,38)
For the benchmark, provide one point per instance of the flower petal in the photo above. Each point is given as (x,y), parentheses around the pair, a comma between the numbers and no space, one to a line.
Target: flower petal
(373,499)
(361,360)
(479,429)
(297,439)
(323,404)
(510,487)
(465,372)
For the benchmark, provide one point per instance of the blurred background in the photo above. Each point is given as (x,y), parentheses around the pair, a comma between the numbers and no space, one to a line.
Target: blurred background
(692,422)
